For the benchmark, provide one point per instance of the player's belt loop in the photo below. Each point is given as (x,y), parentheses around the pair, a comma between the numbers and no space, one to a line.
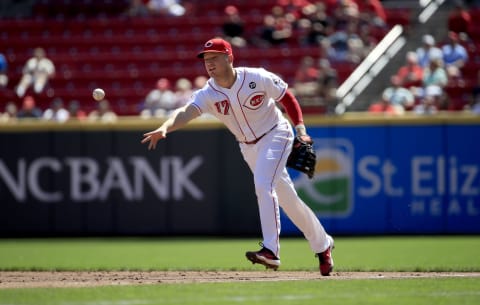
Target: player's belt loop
(260,137)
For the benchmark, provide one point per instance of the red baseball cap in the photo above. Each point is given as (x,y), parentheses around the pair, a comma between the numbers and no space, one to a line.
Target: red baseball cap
(216,45)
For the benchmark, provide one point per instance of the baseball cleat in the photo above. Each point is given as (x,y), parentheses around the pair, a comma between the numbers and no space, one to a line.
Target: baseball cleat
(326,259)
(264,257)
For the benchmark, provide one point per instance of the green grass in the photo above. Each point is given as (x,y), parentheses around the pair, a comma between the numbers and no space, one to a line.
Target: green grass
(393,292)
(452,253)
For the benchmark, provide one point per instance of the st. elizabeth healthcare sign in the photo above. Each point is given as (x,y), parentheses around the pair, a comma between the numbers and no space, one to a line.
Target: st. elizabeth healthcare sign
(401,178)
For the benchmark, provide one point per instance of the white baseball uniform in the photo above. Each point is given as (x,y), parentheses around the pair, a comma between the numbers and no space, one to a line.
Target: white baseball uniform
(249,111)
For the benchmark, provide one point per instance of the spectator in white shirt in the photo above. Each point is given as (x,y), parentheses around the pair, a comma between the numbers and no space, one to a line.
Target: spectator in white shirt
(56,112)
(428,51)
(37,71)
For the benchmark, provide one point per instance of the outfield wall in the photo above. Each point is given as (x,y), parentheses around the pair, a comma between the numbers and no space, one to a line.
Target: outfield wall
(374,176)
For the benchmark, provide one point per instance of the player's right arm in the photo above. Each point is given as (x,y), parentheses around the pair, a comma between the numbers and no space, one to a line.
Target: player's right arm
(176,120)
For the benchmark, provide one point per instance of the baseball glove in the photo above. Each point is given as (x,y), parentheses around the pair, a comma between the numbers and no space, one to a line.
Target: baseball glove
(302,157)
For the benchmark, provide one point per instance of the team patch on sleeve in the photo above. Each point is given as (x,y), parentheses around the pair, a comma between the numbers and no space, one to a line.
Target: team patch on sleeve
(278,82)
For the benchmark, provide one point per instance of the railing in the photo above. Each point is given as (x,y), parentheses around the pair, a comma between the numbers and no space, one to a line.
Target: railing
(378,58)
(429,8)
(361,77)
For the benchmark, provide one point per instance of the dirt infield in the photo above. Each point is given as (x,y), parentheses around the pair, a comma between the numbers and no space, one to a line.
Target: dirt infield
(30,279)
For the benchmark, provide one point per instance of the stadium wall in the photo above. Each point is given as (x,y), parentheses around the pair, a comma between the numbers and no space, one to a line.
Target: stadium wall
(374,175)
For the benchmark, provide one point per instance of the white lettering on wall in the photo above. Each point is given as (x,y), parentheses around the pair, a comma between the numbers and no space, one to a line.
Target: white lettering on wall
(83,172)
(116,178)
(437,184)
(181,179)
(18,187)
(34,180)
(91,179)
(143,172)
(378,182)
(369,176)
(421,172)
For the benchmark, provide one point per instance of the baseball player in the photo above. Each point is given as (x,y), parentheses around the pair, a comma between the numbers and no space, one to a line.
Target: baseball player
(244,99)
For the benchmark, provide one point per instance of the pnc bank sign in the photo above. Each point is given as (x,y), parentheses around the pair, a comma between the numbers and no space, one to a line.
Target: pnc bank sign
(86,179)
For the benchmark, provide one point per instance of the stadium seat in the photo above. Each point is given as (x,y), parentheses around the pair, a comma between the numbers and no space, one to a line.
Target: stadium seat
(93,44)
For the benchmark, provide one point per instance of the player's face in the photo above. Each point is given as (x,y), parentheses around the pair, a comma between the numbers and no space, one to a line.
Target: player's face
(216,64)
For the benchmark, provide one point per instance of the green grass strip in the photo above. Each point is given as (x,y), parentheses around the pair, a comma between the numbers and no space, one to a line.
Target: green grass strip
(439,253)
(330,292)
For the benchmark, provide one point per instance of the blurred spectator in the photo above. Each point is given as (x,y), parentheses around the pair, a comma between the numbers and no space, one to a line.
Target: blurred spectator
(315,83)
(183,92)
(345,13)
(160,101)
(330,6)
(10,112)
(315,24)
(277,28)
(327,85)
(474,97)
(29,108)
(367,42)
(384,106)
(397,95)
(428,51)
(3,71)
(459,19)
(233,27)
(410,74)
(199,82)
(56,112)
(37,71)
(431,102)
(103,113)
(427,106)
(75,112)
(305,83)
(344,45)
(137,8)
(372,13)
(435,74)
(454,55)
(475,108)
(166,7)
(476,87)
(293,7)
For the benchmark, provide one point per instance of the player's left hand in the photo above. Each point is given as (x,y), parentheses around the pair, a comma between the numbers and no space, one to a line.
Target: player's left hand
(306,139)
(302,157)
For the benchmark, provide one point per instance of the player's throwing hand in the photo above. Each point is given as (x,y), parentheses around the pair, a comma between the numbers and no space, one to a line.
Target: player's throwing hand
(153,137)
(177,119)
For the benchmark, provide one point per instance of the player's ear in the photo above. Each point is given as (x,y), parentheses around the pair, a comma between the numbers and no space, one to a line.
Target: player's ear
(230,58)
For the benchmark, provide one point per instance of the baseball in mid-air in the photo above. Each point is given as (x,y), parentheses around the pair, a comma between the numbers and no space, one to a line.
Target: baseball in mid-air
(98,94)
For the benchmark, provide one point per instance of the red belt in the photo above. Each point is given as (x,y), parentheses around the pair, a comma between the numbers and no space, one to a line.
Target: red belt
(260,137)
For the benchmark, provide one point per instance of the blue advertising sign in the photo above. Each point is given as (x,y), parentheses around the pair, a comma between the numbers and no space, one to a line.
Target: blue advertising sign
(403,179)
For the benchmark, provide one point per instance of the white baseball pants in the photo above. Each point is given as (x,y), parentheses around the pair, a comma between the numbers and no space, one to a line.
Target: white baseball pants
(274,188)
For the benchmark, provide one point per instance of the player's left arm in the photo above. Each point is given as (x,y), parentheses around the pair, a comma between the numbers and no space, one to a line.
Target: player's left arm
(278,88)
(294,111)
(178,119)
(302,157)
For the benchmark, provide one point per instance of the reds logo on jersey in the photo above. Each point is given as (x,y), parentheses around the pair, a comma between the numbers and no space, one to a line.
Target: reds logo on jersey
(255,100)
